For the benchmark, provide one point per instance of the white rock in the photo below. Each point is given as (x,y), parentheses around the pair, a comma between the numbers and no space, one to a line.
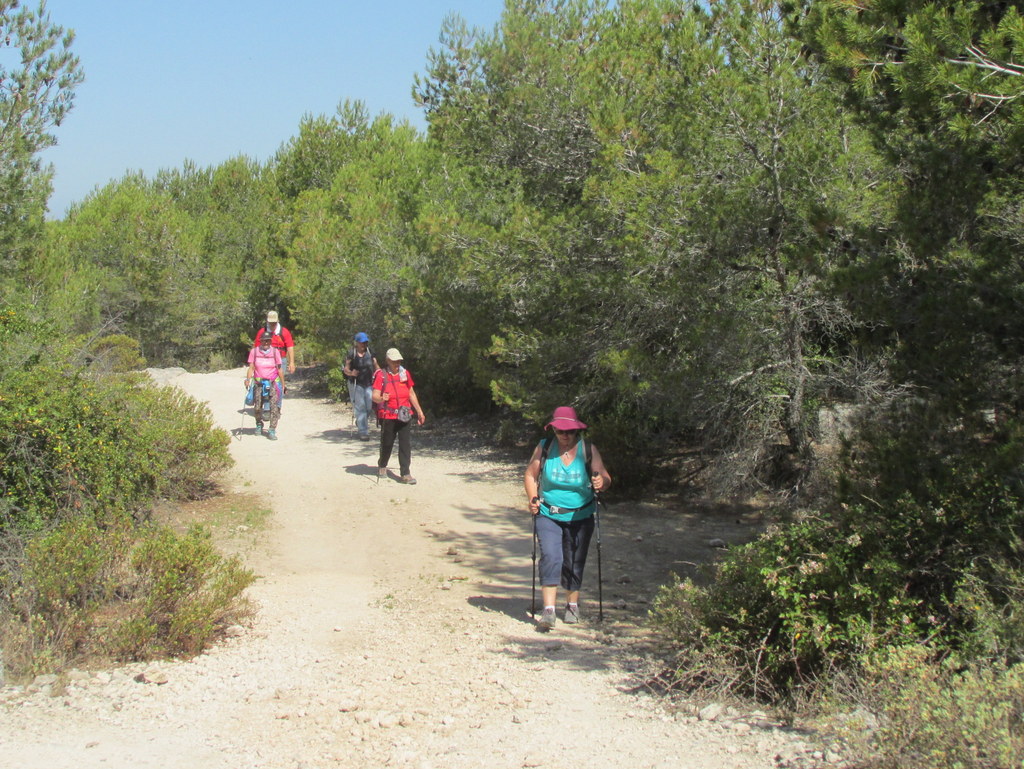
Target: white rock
(712,712)
(152,676)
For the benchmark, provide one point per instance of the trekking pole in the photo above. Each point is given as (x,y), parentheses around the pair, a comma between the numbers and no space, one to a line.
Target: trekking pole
(597,525)
(533,593)
(245,405)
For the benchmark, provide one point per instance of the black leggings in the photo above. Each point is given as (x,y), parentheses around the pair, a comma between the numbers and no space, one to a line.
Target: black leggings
(389,430)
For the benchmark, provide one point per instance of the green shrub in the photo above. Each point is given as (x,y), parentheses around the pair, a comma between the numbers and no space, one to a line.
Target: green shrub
(939,713)
(54,589)
(222,361)
(184,591)
(177,437)
(71,567)
(84,453)
(116,353)
(781,612)
(927,549)
(337,385)
(73,443)
(990,606)
(116,591)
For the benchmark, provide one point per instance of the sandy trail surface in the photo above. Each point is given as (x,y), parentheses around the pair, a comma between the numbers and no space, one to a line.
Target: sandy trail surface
(393,627)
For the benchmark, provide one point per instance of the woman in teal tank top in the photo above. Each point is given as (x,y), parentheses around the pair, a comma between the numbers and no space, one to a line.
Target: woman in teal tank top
(561,490)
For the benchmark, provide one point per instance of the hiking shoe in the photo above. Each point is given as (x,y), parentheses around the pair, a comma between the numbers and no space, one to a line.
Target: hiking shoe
(364,437)
(272,434)
(382,472)
(259,428)
(409,479)
(547,620)
(572,614)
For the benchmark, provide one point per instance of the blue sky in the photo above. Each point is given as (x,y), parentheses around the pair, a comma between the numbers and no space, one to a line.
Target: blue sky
(206,80)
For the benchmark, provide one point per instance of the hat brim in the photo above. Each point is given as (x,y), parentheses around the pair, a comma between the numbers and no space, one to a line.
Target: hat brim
(566,424)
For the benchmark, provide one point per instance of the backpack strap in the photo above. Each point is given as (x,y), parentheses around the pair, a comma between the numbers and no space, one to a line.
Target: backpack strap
(384,389)
(379,407)
(545,445)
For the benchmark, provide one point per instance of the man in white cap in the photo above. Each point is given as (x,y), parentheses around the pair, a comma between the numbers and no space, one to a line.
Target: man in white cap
(397,407)
(281,339)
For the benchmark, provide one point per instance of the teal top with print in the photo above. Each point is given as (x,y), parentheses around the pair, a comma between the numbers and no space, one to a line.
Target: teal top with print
(565,490)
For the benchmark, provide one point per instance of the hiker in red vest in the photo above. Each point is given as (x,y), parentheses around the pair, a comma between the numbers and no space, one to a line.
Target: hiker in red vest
(397,406)
(281,339)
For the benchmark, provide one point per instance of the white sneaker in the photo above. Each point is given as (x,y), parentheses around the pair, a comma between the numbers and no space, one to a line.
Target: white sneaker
(547,620)
(572,614)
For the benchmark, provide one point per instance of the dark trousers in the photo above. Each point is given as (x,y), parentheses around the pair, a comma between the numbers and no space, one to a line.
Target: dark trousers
(563,550)
(389,430)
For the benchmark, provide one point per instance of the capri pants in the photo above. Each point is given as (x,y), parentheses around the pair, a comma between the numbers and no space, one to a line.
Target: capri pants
(563,550)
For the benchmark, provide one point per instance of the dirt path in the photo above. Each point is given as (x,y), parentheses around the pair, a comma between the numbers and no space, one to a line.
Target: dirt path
(393,629)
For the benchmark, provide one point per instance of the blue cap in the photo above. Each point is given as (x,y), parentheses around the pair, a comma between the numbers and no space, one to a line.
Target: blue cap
(362,337)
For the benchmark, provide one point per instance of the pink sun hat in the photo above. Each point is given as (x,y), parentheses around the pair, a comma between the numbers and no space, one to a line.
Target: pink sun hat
(564,418)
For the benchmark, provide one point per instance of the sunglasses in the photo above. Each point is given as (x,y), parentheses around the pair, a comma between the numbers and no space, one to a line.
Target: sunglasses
(564,432)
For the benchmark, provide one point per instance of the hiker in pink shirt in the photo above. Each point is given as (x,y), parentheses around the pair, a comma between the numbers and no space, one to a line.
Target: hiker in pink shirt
(265,367)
